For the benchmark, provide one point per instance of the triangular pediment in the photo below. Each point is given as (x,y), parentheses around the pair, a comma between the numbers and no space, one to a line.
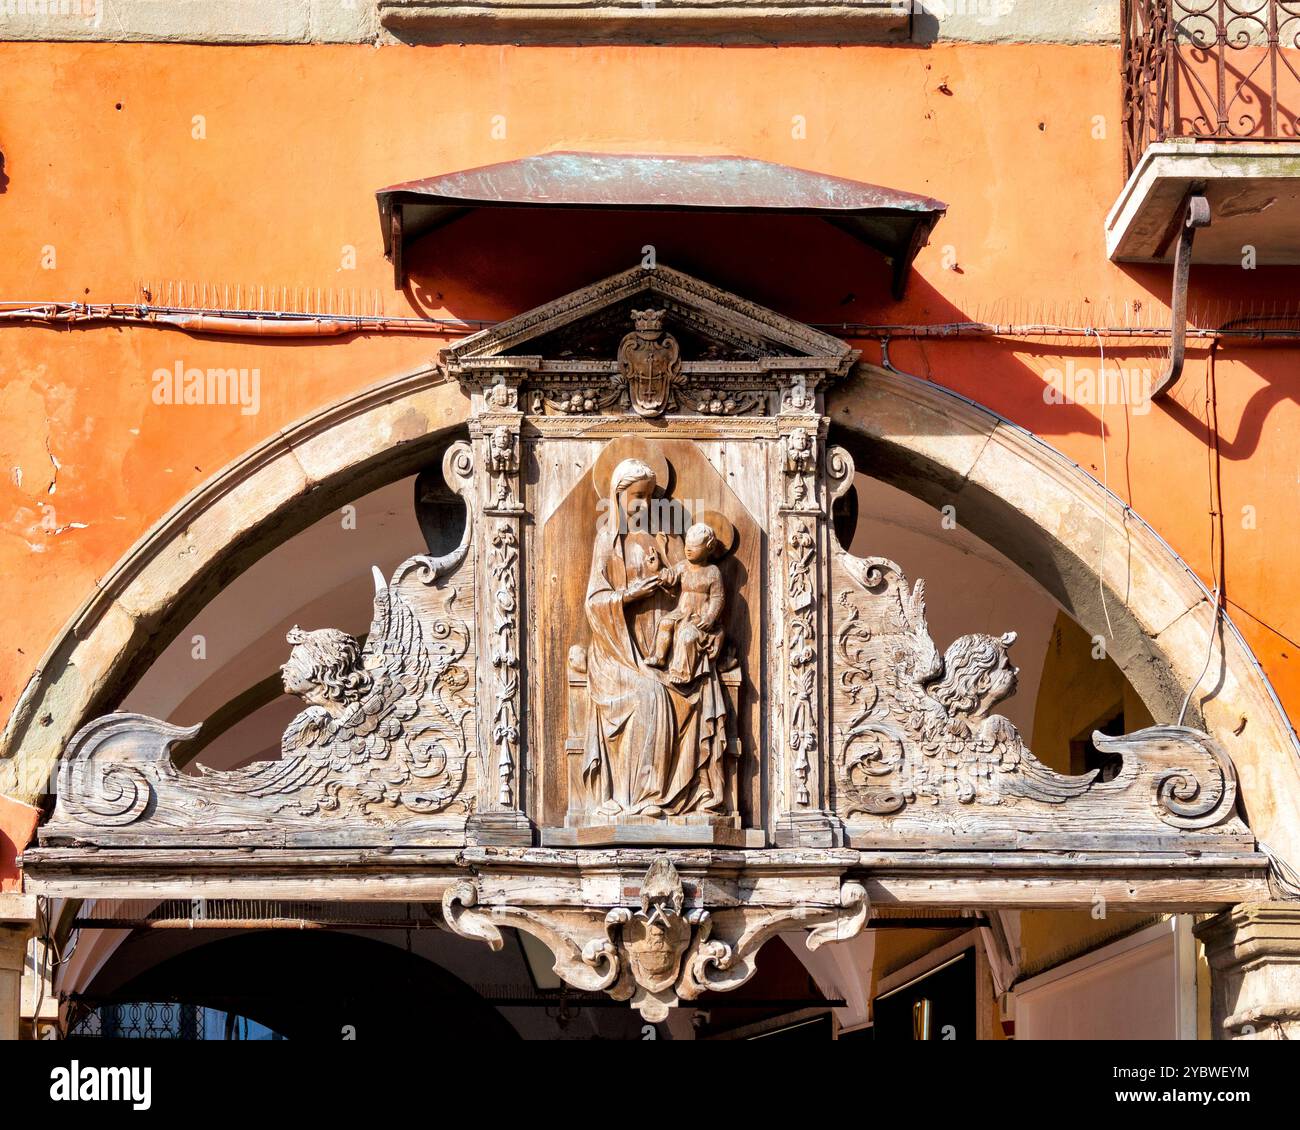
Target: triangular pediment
(710,325)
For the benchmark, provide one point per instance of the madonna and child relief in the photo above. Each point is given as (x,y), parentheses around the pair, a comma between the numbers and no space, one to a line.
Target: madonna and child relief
(659,718)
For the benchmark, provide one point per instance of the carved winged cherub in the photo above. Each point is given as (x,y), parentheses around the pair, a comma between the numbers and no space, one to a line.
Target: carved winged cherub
(383,724)
(977,674)
(941,706)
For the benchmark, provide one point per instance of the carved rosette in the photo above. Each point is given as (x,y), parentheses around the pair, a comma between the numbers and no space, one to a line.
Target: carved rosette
(658,951)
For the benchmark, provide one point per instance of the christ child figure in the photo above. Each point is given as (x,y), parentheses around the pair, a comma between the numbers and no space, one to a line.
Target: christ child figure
(689,639)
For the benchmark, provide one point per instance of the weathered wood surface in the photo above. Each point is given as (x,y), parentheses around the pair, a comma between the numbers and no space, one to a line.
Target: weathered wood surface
(711,877)
(651,655)
(384,753)
(649,634)
(919,755)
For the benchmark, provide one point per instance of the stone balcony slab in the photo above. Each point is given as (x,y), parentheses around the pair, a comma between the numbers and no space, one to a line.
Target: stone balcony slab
(1254,193)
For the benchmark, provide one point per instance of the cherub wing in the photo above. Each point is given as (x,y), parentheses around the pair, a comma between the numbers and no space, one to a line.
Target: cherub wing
(318,746)
(419,721)
(1027,776)
(395,645)
(304,759)
(397,661)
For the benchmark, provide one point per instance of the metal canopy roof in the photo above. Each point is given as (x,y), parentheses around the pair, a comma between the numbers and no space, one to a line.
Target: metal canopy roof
(895,223)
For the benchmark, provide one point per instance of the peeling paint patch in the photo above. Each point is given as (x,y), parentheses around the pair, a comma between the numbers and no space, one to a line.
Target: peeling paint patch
(1244,204)
(54,482)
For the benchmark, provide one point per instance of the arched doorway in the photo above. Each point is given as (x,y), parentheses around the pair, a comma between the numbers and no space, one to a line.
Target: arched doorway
(1042,513)
(1014,493)
(297,984)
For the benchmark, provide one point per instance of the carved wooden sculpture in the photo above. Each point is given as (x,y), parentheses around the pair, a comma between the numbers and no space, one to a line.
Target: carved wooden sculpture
(662,953)
(384,749)
(919,754)
(650,710)
(657,730)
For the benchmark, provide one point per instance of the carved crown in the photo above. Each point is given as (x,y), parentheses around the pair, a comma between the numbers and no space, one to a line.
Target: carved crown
(646,321)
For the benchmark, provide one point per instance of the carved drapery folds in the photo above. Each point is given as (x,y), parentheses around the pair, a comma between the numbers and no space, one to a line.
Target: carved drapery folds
(650,640)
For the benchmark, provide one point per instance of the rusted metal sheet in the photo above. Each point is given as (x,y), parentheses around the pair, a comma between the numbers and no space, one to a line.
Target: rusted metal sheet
(895,223)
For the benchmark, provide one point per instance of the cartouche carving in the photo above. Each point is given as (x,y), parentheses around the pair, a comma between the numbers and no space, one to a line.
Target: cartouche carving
(663,952)
(649,363)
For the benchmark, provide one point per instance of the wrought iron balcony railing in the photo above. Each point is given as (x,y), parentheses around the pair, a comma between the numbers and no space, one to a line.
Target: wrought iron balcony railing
(1221,70)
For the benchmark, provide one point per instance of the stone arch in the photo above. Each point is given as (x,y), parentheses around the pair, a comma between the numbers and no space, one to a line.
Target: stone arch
(274,491)
(1038,508)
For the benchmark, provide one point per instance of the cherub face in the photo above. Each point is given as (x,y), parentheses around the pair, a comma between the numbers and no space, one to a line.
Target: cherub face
(700,541)
(978,674)
(1003,679)
(324,667)
(299,673)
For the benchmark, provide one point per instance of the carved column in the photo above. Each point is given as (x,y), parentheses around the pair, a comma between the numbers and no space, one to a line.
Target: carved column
(17,918)
(1254,956)
(495,433)
(799,556)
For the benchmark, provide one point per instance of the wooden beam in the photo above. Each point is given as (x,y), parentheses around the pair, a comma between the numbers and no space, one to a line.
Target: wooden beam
(988,880)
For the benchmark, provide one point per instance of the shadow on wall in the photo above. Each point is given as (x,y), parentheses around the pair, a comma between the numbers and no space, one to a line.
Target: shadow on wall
(807,269)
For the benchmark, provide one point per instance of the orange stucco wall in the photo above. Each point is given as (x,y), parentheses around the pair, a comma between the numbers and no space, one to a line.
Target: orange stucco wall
(103,167)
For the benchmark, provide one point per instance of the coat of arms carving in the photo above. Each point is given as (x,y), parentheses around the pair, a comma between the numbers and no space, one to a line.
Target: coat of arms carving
(649,363)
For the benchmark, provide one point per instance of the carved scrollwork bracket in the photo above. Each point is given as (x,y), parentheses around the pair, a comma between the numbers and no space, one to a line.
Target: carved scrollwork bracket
(660,952)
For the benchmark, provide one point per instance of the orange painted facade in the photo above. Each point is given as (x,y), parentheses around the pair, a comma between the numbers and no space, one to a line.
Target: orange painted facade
(105,174)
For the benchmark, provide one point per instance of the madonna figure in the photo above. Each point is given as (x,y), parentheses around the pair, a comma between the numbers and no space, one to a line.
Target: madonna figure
(654,746)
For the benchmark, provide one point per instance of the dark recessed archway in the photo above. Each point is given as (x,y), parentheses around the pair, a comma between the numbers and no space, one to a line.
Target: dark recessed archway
(312,985)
